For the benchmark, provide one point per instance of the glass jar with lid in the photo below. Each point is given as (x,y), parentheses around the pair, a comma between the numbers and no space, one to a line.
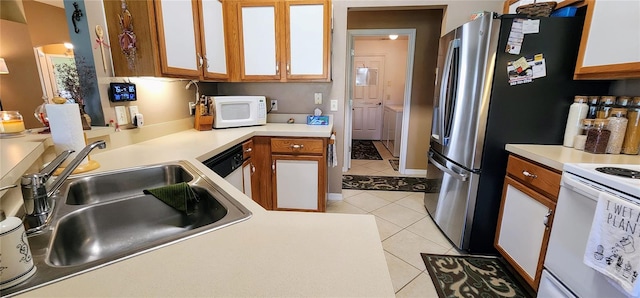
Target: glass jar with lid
(11,122)
(623,101)
(618,126)
(577,111)
(597,137)
(631,144)
(593,107)
(581,139)
(604,106)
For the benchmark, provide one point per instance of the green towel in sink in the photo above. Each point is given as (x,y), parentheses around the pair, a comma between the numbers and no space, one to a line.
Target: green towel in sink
(179,196)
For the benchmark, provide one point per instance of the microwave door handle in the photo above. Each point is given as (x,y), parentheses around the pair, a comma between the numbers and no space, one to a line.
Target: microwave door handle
(452,90)
(444,84)
(441,167)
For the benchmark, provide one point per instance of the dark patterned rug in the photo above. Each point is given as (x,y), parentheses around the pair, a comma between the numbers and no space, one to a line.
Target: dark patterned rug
(416,184)
(395,163)
(364,149)
(474,276)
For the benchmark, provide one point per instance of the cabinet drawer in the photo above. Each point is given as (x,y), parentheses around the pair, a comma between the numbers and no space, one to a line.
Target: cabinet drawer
(247,149)
(534,176)
(297,146)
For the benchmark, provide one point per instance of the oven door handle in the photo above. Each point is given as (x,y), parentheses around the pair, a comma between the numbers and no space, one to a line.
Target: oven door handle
(572,183)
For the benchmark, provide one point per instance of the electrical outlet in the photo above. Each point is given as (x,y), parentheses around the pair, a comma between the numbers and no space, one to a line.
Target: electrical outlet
(133,110)
(192,107)
(317,98)
(334,105)
(121,115)
(274,104)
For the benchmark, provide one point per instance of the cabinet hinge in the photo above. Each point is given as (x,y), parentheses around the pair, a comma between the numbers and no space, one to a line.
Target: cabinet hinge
(353,52)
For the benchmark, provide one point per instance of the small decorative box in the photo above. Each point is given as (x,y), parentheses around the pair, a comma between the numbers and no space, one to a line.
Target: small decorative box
(318,120)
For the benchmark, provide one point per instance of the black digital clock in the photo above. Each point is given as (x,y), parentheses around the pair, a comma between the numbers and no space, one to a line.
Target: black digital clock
(119,92)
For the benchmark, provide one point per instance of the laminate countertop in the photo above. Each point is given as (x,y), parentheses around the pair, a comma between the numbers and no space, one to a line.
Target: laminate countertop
(272,254)
(555,156)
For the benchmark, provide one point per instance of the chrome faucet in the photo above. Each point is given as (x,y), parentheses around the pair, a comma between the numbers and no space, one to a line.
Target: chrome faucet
(37,200)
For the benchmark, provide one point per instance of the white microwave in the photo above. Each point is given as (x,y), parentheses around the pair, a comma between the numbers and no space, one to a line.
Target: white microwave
(236,111)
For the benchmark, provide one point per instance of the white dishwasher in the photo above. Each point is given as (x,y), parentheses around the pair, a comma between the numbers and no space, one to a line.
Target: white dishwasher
(228,165)
(565,274)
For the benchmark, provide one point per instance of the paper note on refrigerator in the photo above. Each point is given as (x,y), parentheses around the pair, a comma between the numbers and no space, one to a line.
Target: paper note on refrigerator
(519,74)
(516,36)
(530,26)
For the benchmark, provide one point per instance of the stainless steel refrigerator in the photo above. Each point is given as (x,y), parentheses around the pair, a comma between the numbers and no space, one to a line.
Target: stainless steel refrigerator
(477,111)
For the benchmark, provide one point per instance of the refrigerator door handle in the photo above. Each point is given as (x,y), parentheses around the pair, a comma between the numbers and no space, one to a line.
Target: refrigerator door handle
(447,95)
(461,177)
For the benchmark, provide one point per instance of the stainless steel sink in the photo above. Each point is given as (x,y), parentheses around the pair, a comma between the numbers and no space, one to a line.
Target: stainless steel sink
(104,218)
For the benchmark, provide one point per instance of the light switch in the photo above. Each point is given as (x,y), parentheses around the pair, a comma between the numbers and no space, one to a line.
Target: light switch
(334,105)
(318,98)
(121,115)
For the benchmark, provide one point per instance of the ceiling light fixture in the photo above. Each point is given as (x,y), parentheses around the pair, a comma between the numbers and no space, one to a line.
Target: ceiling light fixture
(68,45)
(393,36)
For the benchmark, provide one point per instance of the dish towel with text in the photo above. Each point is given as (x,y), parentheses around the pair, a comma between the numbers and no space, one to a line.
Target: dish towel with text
(613,247)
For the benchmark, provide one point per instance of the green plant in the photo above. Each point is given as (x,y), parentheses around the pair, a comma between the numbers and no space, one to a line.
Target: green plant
(74,80)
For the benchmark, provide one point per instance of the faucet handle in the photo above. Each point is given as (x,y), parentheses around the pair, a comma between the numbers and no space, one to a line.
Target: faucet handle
(55,163)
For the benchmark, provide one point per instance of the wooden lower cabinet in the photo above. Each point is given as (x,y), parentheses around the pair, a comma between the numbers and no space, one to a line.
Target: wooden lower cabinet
(526,217)
(287,173)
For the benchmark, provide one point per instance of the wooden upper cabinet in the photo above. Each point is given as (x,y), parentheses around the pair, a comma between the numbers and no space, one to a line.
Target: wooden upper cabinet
(212,36)
(183,39)
(610,45)
(307,40)
(280,40)
(260,34)
(179,37)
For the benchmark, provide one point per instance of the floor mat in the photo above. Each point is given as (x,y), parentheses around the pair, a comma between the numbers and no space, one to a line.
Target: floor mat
(364,149)
(474,276)
(390,183)
(394,164)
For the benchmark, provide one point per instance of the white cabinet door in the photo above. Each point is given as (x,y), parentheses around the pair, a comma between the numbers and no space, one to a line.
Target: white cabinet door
(259,50)
(296,182)
(306,40)
(179,43)
(215,60)
(522,229)
(247,172)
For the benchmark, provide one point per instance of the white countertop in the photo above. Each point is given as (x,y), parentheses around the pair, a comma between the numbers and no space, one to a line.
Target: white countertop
(272,253)
(555,156)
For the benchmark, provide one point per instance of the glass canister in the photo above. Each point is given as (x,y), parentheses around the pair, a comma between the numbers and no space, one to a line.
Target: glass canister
(11,122)
(597,137)
(593,107)
(623,101)
(604,106)
(631,144)
(577,111)
(618,126)
(580,140)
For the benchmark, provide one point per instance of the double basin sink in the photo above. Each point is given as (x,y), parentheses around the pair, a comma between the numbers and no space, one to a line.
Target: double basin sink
(103,218)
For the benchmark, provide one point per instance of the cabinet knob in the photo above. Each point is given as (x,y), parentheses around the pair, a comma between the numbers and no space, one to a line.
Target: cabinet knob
(296,146)
(527,174)
(248,150)
(288,68)
(201,61)
(277,69)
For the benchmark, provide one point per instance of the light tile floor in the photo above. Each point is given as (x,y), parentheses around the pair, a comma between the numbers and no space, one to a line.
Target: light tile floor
(403,224)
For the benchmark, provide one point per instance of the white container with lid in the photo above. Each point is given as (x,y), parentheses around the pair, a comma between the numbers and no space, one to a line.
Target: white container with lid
(16,262)
(577,111)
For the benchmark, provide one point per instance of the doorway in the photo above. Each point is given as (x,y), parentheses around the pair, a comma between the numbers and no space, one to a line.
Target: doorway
(367,97)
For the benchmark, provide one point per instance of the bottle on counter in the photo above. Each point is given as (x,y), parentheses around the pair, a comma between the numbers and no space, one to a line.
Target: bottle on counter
(593,107)
(577,111)
(604,106)
(617,126)
(597,137)
(580,140)
(631,144)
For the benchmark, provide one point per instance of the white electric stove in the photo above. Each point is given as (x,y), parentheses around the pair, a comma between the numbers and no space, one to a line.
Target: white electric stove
(565,274)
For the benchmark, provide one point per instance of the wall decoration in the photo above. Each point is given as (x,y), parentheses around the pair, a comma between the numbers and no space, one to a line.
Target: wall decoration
(75,17)
(127,38)
(101,43)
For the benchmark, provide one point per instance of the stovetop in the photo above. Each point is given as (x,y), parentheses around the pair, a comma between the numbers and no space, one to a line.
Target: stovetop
(598,173)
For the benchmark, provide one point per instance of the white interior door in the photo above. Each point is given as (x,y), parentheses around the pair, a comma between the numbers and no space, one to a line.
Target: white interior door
(368,93)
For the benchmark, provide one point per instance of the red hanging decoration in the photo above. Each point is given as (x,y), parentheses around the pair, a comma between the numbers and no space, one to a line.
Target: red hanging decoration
(127,38)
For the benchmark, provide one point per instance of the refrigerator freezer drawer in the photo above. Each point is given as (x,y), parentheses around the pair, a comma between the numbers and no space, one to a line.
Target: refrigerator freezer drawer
(452,208)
